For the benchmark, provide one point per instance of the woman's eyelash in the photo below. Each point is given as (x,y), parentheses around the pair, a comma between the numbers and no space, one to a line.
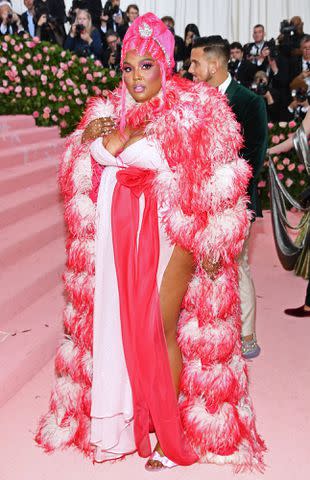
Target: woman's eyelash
(146,66)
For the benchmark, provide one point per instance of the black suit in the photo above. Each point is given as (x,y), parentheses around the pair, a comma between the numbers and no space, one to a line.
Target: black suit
(247,49)
(24,20)
(250,111)
(243,72)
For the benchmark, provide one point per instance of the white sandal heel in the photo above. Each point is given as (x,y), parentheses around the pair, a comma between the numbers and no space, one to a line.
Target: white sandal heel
(166,463)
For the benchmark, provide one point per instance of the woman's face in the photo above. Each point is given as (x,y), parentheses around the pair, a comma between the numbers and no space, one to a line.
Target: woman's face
(142,76)
(82,19)
(132,14)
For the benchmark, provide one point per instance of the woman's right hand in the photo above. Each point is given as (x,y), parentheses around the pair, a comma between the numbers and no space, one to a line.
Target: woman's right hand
(98,128)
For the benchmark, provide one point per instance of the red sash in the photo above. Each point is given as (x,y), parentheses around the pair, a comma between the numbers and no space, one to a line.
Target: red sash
(154,397)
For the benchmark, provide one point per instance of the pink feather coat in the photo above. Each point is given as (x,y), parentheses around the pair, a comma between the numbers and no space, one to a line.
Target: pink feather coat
(207,214)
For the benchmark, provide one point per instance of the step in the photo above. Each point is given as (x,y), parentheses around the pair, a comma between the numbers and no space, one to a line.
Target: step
(22,176)
(11,122)
(24,154)
(29,234)
(30,341)
(17,205)
(24,282)
(27,135)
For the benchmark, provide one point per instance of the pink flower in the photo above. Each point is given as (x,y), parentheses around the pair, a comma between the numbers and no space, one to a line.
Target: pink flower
(275,139)
(27,55)
(46,110)
(89,77)
(43,79)
(35,114)
(302,182)
(105,93)
(261,184)
(16,48)
(292,124)
(64,88)
(282,124)
(46,68)
(289,182)
(291,167)
(280,166)
(39,55)
(63,66)
(54,69)
(5,83)
(12,41)
(60,73)
(281,136)
(76,92)
(78,101)
(112,73)
(34,92)
(4,60)
(43,94)
(45,49)
(97,74)
(69,82)
(286,161)
(46,115)
(54,118)
(83,60)
(300,168)
(104,79)
(85,69)
(63,54)
(63,124)
(280,176)
(18,89)
(67,108)
(61,111)
(98,63)
(20,61)
(51,86)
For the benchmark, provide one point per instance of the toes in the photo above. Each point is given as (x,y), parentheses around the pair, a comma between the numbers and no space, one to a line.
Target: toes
(154,464)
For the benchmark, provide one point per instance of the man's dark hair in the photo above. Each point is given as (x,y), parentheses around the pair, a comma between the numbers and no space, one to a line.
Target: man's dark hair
(214,44)
(134,6)
(236,45)
(168,19)
(259,25)
(111,33)
(305,38)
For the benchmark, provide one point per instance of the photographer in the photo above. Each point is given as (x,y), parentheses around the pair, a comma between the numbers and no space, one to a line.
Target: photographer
(114,15)
(93,6)
(112,55)
(27,18)
(256,52)
(300,69)
(83,38)
(271,96)
(240,69)
(299,105)
(10,22)
(291,34)
(48,27)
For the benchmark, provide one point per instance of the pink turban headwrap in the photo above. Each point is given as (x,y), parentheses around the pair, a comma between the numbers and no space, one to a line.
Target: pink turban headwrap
(149,34)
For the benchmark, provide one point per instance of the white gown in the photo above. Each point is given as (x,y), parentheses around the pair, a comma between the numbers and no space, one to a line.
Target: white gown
(112,406)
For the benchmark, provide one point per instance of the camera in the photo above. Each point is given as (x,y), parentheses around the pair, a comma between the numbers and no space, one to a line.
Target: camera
(108,10)
(300,95)
(274,51)
(79,29)
(286,28)
(261,88)
(232,66)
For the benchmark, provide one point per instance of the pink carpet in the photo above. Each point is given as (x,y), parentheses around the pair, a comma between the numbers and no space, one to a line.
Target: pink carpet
(279,381)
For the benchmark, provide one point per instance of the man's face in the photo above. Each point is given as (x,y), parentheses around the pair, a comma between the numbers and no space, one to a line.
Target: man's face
(112,42)
(258,34)
(236,54)
(116,3)
(28,4)
(305,48)
(201,67)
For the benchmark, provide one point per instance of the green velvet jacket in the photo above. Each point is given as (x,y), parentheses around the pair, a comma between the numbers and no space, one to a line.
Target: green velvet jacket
(250,111)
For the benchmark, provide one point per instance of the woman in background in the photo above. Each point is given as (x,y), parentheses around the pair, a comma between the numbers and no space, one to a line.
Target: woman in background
(83,38)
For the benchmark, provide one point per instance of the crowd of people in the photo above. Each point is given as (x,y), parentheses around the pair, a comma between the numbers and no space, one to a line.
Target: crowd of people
(278,70)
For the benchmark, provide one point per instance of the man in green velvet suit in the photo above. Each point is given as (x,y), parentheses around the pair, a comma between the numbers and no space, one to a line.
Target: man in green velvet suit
(209,62)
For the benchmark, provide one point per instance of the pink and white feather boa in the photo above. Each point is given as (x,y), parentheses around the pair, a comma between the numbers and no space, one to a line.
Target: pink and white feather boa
(205,211)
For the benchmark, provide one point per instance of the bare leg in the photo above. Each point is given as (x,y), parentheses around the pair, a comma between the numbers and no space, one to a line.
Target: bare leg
(172,290)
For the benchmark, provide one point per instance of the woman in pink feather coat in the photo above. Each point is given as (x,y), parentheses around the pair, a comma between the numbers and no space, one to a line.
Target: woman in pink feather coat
(155,201)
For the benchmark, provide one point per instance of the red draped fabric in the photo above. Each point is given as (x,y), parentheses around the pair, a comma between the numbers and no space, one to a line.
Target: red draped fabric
(154,397)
